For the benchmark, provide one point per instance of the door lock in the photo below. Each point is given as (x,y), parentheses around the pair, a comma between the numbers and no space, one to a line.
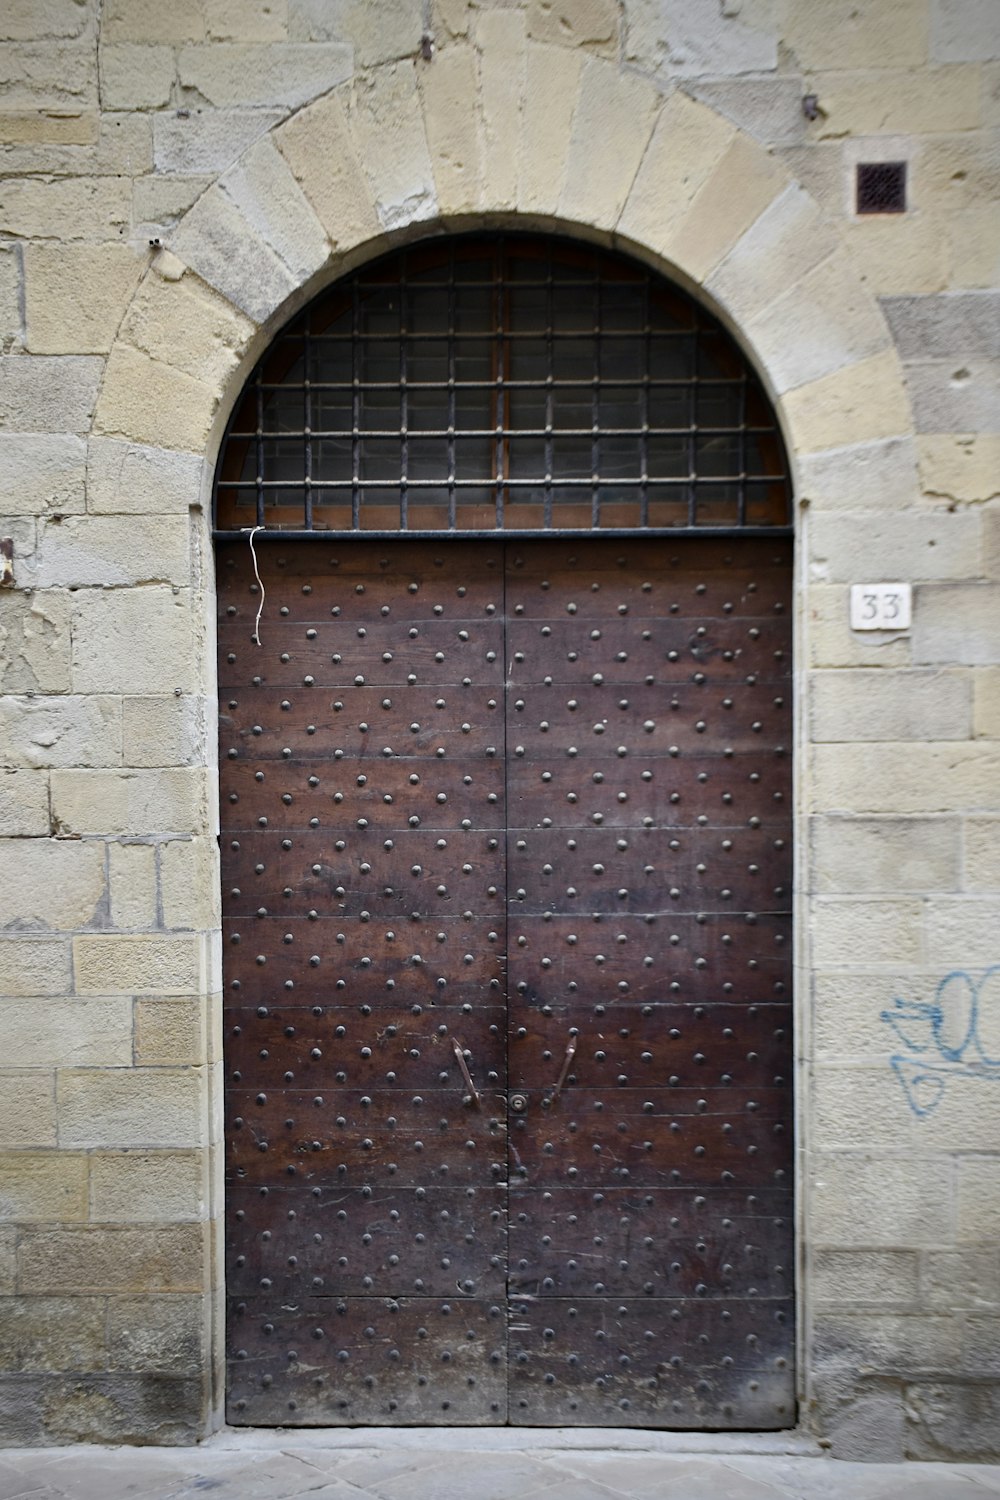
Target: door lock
(518,1103)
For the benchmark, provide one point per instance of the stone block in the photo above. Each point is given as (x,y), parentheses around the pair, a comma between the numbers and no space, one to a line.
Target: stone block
(122,965)
(39,394)
(123,146)
(158,1334)
(102,552)
(846,1015)
(101,1407)
(76,295)
(8,1261)
(843,324)
(132,642)
(951,326)
(207,140)
(502,40)
(86,1259)
(43,1186)
(135,76)
(955,1419)
(161,200)
(981,843)
(978,1210)
(92,1033)
(129,802)
(44,472)
(832,643)
(865,932)
(24,804)
(612,124)
(57,76)
(836,34)
(866,1199)
(914,704)
(788,240)
(247,20)
(857,404)
(891,1343)
(264,190)
(986,697)
(960,466)
(955,395)
(187,325)
(318,147)
(740,188)
(390,142)
(170,1033)
(449,96)
(131,1107)
(873,778)
(138,1187)
(921,102)
(53,1333)
(856,1277)
(961,1279)
(41,128)
(67,730)
(189,878)
(974,246)
(874,477)
(857,1422)
(851,856)
(769,109)
(958,622)
(27,21)
(897,253)
(230,75)
(688,143)
(48,884)
(132,479)
(964,31)
(593,24)
(963,931)
(148,22)
(11,295)
(132,876)
(35,642)
(217,242)
(23,534)
(688,39)
(552,83)
(27,1110)
(868,1108)
(84,208)
(34,966)
(145,401)
(168,731)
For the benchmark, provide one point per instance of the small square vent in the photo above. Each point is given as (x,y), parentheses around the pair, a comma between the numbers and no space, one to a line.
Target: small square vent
(881,187)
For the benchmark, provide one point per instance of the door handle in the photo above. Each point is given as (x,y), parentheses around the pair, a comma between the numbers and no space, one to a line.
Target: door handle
(459,1051)
(563,1073)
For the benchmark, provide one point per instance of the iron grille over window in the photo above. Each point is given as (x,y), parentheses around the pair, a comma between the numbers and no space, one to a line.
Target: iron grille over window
(514,383)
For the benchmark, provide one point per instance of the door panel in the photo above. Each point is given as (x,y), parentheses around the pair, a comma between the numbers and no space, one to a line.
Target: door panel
(507,873)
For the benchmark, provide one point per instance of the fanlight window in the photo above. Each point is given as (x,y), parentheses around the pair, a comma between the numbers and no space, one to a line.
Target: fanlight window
(502,383)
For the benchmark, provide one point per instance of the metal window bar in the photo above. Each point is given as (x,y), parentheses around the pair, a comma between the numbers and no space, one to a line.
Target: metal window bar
(661,318)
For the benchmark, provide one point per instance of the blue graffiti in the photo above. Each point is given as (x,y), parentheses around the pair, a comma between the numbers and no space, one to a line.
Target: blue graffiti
(946,1038)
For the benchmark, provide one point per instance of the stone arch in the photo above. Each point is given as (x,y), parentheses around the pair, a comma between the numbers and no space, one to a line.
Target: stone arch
(558,138)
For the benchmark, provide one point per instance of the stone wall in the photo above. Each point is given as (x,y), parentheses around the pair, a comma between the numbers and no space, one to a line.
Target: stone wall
(175,180)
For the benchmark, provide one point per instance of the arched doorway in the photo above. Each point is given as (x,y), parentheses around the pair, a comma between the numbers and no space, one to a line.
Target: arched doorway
(507,854)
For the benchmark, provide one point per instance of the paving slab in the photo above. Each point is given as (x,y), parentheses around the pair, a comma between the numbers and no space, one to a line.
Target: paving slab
(418,1464)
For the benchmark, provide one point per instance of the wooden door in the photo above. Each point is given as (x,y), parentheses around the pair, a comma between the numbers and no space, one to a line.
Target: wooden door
(506,865)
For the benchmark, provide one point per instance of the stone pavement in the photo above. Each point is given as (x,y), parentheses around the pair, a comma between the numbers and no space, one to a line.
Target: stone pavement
(422,1465)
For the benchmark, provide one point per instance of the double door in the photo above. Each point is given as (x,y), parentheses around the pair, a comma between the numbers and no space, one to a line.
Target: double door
(506,850)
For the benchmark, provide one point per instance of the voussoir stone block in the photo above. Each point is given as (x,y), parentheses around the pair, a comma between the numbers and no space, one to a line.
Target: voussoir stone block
(787,241)
(502,40)
(612,123)
(216,240)
(552,82)
(264,189)
(188,325)
(390,142)
(318,146)
(449,95)
(149,402)
(861,402)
